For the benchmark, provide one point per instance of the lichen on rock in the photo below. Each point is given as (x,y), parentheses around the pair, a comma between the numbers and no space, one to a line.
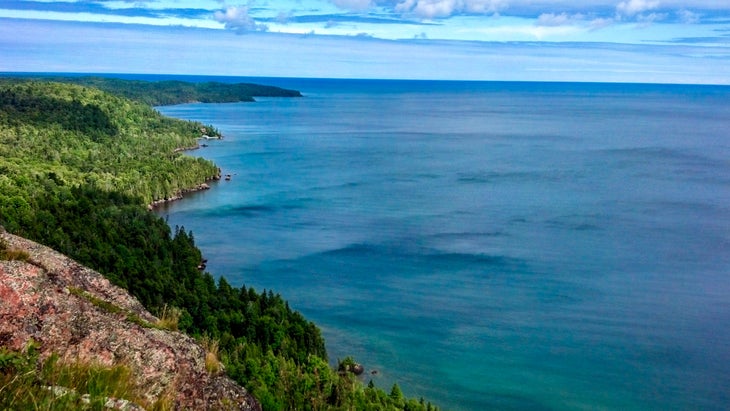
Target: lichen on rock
(37,304)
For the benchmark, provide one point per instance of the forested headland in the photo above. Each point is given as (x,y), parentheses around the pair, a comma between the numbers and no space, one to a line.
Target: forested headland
(78,166)
(161,93)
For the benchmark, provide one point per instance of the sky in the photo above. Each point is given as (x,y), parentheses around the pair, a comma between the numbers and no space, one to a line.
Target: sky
(655,41)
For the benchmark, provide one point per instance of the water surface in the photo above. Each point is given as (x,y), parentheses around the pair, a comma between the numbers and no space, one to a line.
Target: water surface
(517,246)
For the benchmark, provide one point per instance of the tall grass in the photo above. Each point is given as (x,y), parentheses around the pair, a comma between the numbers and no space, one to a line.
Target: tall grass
(8,253)
(29,384)
(212,361)
(169,318)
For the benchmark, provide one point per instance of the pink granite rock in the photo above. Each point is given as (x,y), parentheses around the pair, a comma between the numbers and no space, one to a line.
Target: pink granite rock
(50,299)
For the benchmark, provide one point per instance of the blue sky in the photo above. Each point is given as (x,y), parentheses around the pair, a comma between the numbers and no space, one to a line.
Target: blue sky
(667,41)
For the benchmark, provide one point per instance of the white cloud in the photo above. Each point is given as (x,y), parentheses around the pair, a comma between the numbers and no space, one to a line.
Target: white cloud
(651,18)
(399,19)
(578,20)
(599,23)
(237,18)
(432,9)
(283,17)
(485,6)
(357,5)
(688,17)
(552,19)
(129,48)
(405,6)
(529,32)
(632,7)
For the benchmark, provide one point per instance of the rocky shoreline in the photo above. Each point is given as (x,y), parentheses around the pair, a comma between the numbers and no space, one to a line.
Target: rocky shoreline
(179,195)
(202,186)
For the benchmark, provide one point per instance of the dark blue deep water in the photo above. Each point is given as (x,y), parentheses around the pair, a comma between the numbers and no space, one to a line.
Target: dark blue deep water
(509,246)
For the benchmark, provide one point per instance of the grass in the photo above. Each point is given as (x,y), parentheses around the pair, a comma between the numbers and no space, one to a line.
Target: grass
(12,254)
(96,382)
(29,384)
(169,318)
(212,362)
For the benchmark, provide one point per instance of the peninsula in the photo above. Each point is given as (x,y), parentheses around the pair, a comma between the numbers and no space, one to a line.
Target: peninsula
(162,93)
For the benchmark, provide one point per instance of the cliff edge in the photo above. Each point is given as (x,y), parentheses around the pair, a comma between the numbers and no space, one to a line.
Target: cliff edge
(74,312)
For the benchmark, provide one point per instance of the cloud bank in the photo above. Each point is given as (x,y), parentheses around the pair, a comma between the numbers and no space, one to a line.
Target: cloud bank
(443,27)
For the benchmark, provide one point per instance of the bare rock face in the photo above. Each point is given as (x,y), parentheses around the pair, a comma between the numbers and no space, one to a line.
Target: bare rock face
(75,312)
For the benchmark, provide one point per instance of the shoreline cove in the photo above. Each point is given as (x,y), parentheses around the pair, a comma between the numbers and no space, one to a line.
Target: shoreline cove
(199,187)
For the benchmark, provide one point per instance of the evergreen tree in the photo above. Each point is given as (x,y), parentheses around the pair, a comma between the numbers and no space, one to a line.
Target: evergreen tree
(395,393)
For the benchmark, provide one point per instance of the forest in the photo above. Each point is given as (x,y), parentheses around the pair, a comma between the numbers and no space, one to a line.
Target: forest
(78,166)
(161,93)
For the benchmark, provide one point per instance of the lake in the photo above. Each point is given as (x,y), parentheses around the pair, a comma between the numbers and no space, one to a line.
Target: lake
(510,246)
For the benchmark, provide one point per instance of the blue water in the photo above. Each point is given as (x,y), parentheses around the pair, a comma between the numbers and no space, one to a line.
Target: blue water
(510,246)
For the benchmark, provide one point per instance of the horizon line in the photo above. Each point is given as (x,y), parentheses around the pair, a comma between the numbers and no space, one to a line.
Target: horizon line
(21,74)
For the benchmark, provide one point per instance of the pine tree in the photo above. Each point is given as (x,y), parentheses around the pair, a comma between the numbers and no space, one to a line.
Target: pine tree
(395,393)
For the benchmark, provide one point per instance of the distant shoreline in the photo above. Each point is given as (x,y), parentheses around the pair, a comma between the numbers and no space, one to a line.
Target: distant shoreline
(211,92)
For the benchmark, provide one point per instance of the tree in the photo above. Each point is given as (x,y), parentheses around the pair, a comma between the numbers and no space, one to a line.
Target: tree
(396,397)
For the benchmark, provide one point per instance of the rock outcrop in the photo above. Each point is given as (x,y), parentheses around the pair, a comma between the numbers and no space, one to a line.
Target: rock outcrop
(76,313)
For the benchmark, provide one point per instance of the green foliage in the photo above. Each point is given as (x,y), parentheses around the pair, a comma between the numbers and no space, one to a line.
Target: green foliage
(81,190)
(395,393)
(161,93)
(99,382)
(346,365)
(26,383)
(24,105)
(72,135)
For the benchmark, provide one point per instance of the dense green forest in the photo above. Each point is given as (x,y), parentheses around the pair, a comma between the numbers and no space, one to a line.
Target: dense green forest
(78,165)
(83,136)
(160,93)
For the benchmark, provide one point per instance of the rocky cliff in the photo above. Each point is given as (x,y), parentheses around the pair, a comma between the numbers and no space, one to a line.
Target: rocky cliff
(74,312)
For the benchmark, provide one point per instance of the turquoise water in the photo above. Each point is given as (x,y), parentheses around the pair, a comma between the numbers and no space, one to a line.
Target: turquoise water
(506,246)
